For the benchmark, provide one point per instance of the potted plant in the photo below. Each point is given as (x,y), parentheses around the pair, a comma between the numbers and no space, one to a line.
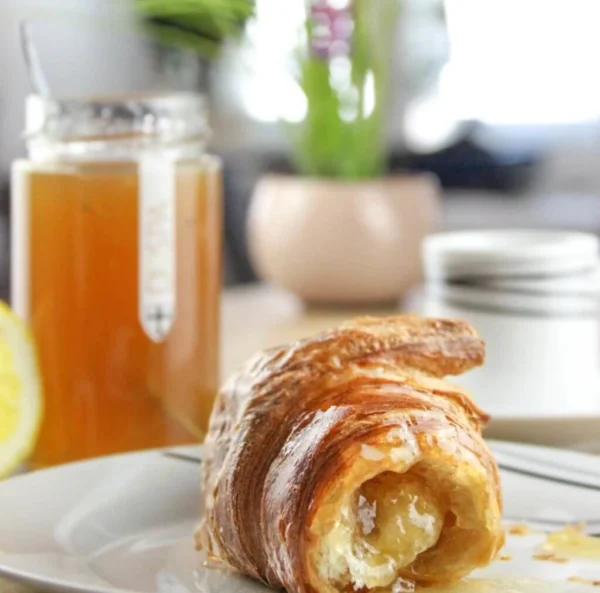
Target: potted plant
(340,230)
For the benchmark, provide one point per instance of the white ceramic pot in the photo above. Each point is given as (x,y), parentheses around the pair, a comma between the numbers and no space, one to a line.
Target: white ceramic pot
(342,242)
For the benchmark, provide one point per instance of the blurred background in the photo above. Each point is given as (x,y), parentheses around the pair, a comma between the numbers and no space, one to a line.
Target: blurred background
(499,98)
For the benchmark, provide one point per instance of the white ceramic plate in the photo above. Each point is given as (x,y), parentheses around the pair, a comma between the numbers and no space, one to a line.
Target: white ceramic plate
(577,432)
(124,524)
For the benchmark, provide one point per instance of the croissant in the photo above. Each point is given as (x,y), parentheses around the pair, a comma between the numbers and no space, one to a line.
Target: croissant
(344,462)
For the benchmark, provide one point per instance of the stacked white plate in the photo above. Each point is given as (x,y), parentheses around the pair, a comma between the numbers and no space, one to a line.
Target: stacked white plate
(534,296)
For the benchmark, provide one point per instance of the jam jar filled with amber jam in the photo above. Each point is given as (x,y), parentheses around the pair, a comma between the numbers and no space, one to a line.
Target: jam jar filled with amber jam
(116,266)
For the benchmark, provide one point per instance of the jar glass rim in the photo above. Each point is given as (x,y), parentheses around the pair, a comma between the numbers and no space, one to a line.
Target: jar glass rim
(165,117)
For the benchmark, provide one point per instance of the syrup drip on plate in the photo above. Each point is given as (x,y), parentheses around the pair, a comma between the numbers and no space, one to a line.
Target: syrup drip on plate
(572,542)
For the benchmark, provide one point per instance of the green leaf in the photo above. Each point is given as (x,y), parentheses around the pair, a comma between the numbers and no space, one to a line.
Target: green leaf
(201,25)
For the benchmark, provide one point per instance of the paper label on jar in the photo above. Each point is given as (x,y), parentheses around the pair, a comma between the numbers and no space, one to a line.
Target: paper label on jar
(157,249)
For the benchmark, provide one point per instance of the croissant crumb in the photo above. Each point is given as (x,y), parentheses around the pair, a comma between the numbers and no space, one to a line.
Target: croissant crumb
(550,557)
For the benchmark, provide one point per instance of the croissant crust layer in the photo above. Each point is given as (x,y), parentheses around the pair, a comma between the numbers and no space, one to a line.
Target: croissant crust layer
(346,462)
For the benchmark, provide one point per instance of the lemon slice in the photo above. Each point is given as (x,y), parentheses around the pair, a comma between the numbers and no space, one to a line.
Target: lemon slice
(20,392)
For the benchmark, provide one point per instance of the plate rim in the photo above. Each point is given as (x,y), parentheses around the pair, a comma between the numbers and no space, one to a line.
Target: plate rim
(590,414)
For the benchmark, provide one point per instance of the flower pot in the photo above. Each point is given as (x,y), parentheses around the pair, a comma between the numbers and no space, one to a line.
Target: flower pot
(342,242)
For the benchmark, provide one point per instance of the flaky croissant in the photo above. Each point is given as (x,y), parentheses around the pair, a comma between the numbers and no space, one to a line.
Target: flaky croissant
(344,462)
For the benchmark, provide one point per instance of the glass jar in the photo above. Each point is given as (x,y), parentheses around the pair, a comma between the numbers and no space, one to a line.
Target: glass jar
(116,252)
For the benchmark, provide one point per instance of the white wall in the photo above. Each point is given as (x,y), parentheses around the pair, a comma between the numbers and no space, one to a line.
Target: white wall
(86,46)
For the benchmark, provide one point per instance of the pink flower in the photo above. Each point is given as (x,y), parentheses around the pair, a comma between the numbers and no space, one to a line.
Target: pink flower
(330,29)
